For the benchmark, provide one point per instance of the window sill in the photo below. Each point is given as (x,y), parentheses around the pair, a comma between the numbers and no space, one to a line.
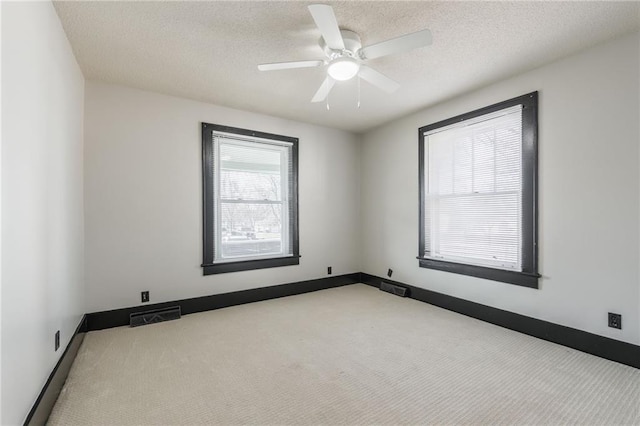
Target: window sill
(247,265)
(524,279)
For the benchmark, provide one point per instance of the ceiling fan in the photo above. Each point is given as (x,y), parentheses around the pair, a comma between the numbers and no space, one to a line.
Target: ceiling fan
(345,55)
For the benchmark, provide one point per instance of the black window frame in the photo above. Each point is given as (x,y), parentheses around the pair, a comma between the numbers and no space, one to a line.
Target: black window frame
(529,276)
(208,205)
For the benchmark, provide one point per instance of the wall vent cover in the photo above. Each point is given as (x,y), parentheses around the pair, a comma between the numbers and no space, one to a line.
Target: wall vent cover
(153,316)
(394,289)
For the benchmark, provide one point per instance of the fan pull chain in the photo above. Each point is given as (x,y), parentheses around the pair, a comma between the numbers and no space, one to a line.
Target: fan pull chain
(328,102)
(358,91)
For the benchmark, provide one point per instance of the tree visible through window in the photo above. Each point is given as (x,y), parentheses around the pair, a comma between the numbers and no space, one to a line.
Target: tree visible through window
(250,217)
(477,193)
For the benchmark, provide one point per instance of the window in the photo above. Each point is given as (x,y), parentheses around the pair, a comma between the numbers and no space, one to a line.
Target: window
(250,192)
(478,207)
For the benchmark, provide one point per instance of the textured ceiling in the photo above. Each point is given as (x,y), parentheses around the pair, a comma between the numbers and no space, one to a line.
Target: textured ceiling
(209,51)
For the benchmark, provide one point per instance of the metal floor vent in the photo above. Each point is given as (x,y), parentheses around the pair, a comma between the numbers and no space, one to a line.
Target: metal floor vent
(156,315)
(394,289)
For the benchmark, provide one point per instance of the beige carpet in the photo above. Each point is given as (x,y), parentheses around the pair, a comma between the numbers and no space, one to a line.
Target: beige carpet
(350,355)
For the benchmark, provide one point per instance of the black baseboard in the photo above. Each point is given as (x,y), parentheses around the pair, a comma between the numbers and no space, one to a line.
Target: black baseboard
(49,394)
(100,320)
(611,349)
(614,350)
(120,317)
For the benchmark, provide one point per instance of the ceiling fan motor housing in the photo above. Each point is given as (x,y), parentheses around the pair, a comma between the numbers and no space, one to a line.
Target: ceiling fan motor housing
(352,44)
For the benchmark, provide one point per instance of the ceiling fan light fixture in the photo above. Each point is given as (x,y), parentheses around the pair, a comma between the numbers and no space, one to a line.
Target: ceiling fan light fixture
(343,68)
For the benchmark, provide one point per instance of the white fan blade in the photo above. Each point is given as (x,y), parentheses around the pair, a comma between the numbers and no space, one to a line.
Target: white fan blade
(328,25)
(289,65)
(324,90)
(378,79)
(397,45)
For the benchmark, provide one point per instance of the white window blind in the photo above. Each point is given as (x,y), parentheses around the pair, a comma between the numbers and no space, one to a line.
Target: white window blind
(473,191)
(252,202)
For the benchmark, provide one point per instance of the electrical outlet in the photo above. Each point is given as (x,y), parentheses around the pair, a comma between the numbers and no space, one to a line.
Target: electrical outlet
(329,270)
(57,340)
(390,272)
(615,320)
(144,296)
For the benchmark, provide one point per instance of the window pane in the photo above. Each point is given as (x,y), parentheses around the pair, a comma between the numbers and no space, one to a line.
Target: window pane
(473,196)
(253,182)
(479,228)
(250,173)
(251,229)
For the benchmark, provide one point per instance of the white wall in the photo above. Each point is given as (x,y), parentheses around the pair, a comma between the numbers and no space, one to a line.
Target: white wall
(588,194)
(143,198)
(0,217)
(42,200)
